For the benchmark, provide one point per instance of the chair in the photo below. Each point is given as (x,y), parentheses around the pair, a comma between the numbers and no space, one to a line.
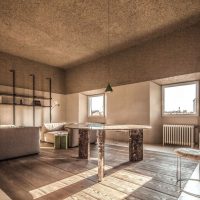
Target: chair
(191,154)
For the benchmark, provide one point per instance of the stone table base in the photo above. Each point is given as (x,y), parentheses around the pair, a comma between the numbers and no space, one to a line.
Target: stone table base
(136,145)
(101,158)
(84,144)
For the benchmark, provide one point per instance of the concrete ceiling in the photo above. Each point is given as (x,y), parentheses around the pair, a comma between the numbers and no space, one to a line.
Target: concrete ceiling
(66,33)
(178,79)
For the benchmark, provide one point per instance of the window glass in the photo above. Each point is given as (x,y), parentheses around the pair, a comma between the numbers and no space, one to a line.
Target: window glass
(180,99)
(96,105)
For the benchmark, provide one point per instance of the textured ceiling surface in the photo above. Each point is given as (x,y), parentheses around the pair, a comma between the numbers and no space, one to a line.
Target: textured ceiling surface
(178,79)
(66,33)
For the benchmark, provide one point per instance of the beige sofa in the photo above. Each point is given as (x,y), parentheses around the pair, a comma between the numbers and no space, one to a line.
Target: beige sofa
(74,137)
(16,142)
(49,130)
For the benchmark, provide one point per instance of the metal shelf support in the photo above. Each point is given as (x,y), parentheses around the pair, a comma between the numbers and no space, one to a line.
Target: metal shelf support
(50,99)
(33,85)
(13,94)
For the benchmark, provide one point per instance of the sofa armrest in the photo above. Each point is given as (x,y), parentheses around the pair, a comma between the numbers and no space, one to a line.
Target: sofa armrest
(15,142)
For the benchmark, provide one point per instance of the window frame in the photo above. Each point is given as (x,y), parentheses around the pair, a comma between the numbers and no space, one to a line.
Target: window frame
(104,109)
(181,84)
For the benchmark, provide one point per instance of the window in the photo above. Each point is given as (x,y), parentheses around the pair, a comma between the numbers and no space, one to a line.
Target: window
(180,99)
(96,105)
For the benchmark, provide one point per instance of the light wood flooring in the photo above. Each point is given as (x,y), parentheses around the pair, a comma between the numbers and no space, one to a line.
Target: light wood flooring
(60,175)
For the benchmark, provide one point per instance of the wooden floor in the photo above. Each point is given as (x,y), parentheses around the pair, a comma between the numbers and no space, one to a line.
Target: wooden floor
(59,175)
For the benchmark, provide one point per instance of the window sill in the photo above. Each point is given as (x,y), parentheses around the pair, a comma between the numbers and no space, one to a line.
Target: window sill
(96,117)
(180,115)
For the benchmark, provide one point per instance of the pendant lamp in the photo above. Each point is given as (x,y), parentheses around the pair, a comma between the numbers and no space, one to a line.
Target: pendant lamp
(108,88)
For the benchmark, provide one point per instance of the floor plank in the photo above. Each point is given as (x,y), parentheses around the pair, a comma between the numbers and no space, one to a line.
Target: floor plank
(59,174)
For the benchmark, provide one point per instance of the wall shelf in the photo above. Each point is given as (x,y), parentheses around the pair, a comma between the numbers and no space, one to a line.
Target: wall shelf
(24,96)
(15,96)
(10,104)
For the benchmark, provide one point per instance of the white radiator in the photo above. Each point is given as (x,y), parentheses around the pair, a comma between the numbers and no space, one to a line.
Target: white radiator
(182,135)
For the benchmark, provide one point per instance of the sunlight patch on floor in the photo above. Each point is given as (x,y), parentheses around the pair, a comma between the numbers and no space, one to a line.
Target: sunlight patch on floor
(4,196)
(118,185)
(192,186)
(52,187)
(112,187)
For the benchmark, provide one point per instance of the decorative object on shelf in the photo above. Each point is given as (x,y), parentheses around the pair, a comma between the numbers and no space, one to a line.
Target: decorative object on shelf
(5,100)
(37,103)
(108,88)
(21,101)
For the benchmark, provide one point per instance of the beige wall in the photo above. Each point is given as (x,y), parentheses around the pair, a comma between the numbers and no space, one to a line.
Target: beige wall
(180,120)
(155,134)
(72,107)
(76,108)
(26,67)
(83,109)
(128,104)
(138,103)
(58,112)
(170,55)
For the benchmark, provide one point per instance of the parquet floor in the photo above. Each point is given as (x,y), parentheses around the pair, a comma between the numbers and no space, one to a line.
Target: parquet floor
(60,175)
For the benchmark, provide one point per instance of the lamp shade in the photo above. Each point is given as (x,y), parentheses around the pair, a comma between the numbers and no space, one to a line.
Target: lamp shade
(108,88)
(55,104)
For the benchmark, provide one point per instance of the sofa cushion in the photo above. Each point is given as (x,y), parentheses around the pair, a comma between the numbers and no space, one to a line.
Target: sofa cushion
(53,127)
(62,132)
(67,124)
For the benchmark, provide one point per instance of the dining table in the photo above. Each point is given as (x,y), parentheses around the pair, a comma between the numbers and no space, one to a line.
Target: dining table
(135,140)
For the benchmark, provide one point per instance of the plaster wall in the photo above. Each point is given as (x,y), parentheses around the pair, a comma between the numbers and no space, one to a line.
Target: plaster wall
(72,107)
(128,104)
(155,133)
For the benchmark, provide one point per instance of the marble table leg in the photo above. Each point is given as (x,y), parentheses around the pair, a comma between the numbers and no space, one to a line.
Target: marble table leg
(136,145)
(84,144)
(101,159)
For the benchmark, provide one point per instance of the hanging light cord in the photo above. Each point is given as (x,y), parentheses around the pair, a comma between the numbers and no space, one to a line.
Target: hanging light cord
(108,25)
(108,39)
